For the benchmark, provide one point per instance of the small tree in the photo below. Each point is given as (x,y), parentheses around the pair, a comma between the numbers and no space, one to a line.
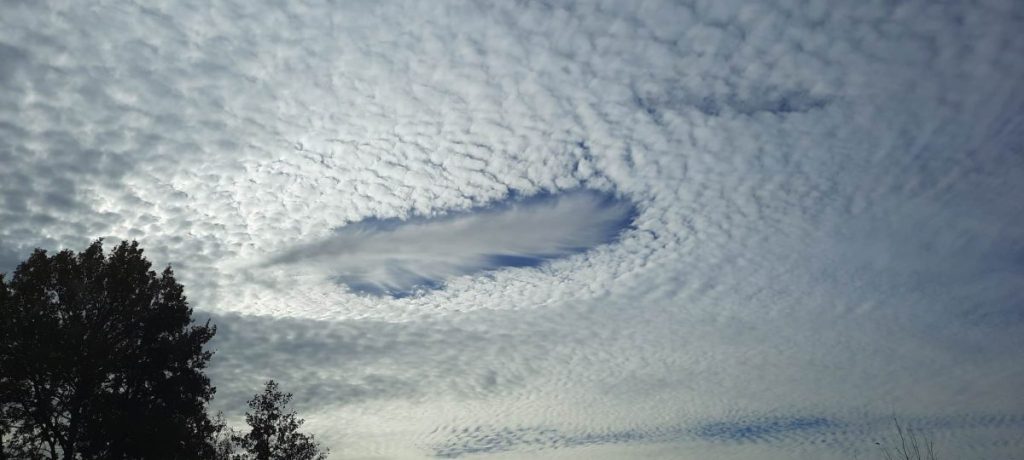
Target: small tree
(100,358)
(907,445)
(274,431)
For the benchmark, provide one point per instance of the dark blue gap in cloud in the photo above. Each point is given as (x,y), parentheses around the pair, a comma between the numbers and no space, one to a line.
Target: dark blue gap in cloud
(407,257)
(760,430)
(419,285)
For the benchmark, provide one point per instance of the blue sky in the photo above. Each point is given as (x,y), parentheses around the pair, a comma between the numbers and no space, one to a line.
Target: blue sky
(555,229)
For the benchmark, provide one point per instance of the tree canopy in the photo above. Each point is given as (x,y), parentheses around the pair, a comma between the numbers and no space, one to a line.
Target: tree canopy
(100,358)
(274,430)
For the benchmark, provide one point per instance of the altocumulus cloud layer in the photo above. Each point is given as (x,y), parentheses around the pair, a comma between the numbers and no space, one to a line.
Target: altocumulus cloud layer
(555,229)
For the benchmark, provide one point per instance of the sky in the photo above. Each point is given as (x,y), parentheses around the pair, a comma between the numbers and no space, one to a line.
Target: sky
(555,229)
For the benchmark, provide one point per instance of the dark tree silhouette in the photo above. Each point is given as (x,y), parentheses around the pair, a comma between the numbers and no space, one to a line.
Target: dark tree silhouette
(274,431)
(100,358)
(908,444)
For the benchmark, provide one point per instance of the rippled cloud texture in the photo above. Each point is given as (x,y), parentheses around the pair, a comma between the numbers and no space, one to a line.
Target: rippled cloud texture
(709,229)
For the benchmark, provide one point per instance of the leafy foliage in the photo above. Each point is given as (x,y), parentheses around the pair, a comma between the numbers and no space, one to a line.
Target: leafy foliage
(274,429)
(100,358)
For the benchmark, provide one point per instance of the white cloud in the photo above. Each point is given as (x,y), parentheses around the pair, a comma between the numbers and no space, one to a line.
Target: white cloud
(827,222)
